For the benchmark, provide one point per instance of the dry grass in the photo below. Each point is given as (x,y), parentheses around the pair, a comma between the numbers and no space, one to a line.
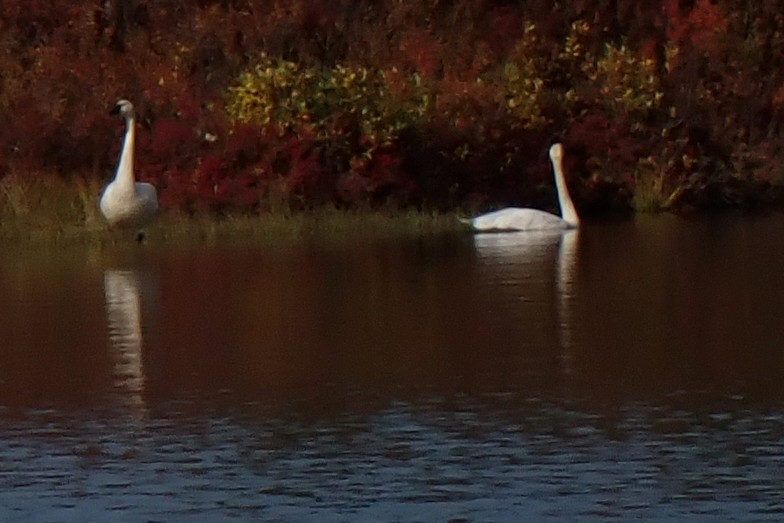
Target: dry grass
(48,210)
(653,190)
(47,206)
(323,225)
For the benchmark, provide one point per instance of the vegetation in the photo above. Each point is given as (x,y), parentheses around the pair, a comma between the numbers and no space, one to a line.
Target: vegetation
(251,108)
(52,211)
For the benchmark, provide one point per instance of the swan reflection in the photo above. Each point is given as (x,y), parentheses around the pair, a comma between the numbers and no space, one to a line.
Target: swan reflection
(566,283)
(516,247)
(543,265)
(123,292)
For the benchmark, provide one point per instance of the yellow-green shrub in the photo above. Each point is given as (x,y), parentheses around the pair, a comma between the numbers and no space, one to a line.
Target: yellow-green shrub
(291,96)
(629,84)
(570,77)
(522,81)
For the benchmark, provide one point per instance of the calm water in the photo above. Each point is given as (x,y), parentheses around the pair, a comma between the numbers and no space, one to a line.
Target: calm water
(631,371)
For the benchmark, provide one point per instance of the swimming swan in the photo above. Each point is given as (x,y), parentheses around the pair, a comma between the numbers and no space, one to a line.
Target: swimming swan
(126,202)
(521,219)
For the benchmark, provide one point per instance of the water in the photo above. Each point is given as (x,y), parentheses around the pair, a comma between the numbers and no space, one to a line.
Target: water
(627,371)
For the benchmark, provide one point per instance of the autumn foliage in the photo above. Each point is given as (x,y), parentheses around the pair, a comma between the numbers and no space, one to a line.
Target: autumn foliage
(245,105)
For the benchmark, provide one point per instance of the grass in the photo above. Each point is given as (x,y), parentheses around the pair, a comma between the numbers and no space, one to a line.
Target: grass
(40,208)
(326,224)
(652,190)
(49,210)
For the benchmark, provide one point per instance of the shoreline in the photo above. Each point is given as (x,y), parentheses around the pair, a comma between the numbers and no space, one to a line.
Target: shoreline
(328,225)
(57,211)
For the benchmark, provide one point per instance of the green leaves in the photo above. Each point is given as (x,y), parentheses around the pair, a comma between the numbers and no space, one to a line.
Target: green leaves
(295,98)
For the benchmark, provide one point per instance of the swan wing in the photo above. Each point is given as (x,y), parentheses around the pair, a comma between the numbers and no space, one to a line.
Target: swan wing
(129,209)
(518,219)
(148,196)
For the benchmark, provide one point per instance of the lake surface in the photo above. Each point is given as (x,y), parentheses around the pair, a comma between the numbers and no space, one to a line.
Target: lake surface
(631,370)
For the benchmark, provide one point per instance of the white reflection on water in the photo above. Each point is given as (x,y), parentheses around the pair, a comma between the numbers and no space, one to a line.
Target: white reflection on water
(516,247)
(122,289)
(524,258)
(566,285)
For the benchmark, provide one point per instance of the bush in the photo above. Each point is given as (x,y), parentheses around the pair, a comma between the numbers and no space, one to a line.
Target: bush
(446,104)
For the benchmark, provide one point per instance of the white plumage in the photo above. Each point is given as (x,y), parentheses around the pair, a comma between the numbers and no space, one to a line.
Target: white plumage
(125,202)
(524,219)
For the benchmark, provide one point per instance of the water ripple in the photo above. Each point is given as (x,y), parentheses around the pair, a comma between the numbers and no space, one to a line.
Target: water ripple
(486,461)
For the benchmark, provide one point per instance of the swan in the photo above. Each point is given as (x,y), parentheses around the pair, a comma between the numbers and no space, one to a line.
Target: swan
(522,219)
(126,203)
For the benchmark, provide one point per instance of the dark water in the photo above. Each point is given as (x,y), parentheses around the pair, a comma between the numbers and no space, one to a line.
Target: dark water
(631,371)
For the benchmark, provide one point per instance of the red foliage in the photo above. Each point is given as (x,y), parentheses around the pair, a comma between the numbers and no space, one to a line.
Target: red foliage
(504,27)
(376,180)
(604,153)
(175,190)
(244,145)
(64,63)
(702,26)
(172,139)
(306,182)
(423,52)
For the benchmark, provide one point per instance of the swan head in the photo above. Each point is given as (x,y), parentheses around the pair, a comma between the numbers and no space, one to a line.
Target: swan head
(556,152)
(123,108)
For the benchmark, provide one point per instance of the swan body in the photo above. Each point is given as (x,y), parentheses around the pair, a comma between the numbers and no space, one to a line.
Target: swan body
(526,219)
(126,203)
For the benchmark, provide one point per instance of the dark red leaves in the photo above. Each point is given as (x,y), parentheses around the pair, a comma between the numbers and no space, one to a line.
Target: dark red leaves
(64,63)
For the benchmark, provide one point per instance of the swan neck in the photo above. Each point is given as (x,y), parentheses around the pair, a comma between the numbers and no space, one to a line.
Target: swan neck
(124,176)
(568,211)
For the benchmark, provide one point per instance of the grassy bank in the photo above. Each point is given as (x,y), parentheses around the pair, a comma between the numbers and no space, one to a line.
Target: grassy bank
(327,224)
(48,210)
(38,210)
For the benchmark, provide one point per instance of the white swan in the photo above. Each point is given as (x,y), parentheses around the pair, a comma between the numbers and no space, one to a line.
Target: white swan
(522,219)
(126,202)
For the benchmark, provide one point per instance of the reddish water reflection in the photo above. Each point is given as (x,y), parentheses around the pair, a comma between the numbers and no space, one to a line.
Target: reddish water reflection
(513,373)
